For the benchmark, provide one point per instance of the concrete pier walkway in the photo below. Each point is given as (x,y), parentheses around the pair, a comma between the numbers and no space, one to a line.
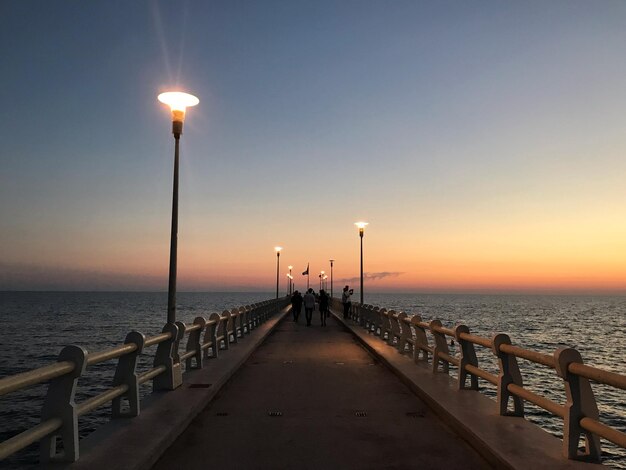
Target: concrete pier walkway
(313,398)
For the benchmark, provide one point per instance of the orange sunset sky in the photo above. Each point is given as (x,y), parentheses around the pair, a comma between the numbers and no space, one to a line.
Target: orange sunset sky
(485,144)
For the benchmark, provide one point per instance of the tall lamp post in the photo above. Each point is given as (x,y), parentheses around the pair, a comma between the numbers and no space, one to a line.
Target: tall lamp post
(361,226)
(290,279)
(178,103)
(277,248)
(331,277)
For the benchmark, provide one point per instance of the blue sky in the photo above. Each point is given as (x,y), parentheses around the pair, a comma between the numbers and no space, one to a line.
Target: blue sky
(461,130)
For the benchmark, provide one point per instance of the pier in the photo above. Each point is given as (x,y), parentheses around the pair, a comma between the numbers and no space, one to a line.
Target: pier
(251,388)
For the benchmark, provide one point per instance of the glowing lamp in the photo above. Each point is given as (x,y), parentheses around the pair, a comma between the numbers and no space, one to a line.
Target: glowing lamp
(278,248)
(178,103)
(361,226)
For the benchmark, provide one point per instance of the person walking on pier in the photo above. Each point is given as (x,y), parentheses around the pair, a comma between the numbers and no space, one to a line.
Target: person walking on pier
(323,306)
(345,300)
(309,306)
(296,305)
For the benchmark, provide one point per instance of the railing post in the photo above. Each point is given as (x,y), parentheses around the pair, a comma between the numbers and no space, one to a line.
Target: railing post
(380,321)
(404,333)
(168,357)
(226,322)
(211,334)
(509,374)
(394,320)
(194,344)
(387,320)
(246,320)
(59,403)
(234,316)
(581,403)
(371,318)
(253,316)
(420,338)
(126,373)
(361,314)
(441,345)
(468,356)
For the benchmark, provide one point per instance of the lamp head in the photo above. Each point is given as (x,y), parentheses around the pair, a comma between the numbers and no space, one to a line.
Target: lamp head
(290,268)
(278,248)
(178,103)
(361,227)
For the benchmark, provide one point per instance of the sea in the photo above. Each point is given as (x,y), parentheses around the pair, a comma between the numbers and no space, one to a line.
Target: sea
(36,325)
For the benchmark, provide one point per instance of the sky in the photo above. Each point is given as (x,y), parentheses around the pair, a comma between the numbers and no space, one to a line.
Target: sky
(483,141)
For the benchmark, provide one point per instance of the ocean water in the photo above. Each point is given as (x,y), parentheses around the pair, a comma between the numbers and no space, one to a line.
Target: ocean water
(36,325)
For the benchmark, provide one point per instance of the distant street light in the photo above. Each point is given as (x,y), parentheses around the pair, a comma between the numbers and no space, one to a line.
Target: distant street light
(290,279)
(178,103)
(361,226)
(331,277)
(277,248)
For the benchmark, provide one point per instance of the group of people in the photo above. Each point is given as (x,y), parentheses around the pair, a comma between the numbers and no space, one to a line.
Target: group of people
(309,299)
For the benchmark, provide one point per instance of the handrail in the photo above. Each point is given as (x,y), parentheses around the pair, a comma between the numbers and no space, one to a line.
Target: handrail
(113,353)
(157,339)
(602,430)
(532,356)
(100,399)
(483,374)
(33,377)
(598,375)
(149,375)
(65,373)
(477,340)
(538,400)
(567,363)
(26,438)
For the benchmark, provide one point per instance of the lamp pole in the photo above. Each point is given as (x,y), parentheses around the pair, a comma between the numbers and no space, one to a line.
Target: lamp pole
(361,226)
(331,277)
(277,248)
(178,103)
(290,280)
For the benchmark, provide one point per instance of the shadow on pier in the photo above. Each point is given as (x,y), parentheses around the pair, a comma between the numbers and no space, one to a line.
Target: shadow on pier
(313,398)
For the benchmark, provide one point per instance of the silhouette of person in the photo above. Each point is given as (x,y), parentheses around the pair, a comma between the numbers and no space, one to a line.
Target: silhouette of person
(345,300)
(309,306)
(323,306)
(296,305)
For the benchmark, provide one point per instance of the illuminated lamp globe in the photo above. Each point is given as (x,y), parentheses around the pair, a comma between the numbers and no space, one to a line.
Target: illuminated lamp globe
(178,103)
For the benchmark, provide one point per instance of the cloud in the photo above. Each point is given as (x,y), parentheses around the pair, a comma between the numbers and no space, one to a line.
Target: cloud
(372,276)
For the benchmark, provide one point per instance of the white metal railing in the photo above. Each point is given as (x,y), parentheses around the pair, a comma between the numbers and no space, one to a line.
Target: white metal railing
(59,416)
(427,343)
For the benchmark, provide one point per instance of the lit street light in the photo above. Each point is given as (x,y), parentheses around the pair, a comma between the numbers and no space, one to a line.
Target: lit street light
(178,103)
(361,226)
(290,279)
(277,248)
